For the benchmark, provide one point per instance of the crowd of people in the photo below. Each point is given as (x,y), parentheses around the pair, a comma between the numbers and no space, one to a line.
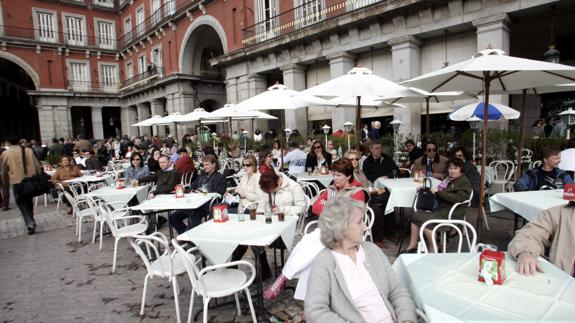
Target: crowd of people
(338,240)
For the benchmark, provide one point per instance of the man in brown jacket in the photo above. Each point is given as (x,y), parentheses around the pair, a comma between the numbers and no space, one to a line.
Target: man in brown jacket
(4,186)
(13,169)
(554,228)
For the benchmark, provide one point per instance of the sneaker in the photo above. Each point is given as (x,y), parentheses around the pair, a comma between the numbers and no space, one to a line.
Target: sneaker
(276,288)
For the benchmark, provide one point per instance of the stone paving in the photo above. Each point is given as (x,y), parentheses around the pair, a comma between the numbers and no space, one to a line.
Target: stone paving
(50,277)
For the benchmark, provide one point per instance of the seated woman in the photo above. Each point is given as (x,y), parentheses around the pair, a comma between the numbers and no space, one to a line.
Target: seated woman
(266,161)
(248,187)
(352,280)
(470,171)
(137,169)
(276,190)
(455,189)
(66,171)
(154,161)
(317,157)
(300,258)
(354,157)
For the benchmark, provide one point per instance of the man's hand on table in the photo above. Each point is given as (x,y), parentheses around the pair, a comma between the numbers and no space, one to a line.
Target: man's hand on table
(527,264)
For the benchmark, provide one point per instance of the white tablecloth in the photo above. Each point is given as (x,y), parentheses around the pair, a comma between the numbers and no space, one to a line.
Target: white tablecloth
(446,288)
(324,179)
(217,241)
(527,204)
(402,191)
(89,179)
(111,194)
(170,202)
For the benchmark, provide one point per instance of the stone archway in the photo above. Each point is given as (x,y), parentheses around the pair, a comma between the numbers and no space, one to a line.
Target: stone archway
(205,38)
(19,114)
(23,65)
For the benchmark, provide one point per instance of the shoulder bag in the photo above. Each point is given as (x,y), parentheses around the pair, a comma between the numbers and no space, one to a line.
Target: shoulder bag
(426,201)
(34,185)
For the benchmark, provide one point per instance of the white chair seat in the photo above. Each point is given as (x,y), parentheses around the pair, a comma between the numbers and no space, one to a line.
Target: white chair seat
(133,229)
(219,282)
(178,266)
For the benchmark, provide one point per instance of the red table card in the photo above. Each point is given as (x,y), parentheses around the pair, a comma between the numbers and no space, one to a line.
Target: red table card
(179,189)
(220,212)
(492,267)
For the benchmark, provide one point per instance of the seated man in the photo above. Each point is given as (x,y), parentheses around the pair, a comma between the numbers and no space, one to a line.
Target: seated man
(554,228)
(548,174)
(210,181)
(166,178)
(432,164)
(185,164)
(90,162)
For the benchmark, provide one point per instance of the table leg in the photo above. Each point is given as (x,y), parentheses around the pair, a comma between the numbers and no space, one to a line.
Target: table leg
(259,284)
(170,225)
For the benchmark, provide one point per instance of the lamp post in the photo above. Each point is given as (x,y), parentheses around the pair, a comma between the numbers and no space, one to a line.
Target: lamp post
(287,132)
(326,129)
(214,136)
(569,117)
(348,126)
(395,123)
(245,138)
(475,124)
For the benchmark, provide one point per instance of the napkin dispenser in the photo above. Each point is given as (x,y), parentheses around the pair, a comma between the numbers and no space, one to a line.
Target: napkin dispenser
(179,189)
(220,213)
(323,170)
(120,184)
(492,267)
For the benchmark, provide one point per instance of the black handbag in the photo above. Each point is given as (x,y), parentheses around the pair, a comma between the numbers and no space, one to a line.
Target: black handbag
(34,185)
(426,201)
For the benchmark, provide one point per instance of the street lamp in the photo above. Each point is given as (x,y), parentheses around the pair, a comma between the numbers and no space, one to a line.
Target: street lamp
(326,129)
(568,116)
(245,138)
(475,124)
(395,123)
(287,132)
(214,136)
(347,127)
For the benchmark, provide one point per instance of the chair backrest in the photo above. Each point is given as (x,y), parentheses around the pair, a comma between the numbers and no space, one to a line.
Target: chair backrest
(190,263)
(368,219)
(526,155)
(107,213)
(153,247)
(456,225)
(456,205)
(310,226)
(535,164)
(502,170)
(187,179)
(76,188)
(310,189)
(546,188)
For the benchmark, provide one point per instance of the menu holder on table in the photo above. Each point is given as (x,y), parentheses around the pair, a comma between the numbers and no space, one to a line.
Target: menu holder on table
(179,189)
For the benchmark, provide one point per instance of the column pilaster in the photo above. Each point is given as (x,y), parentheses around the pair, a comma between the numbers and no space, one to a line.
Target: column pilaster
(340,64)
(97,125)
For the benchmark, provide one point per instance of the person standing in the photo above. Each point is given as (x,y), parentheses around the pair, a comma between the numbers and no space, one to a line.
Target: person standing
(374,132)
(4,185)
(296,159)
(13,170)
(57,149)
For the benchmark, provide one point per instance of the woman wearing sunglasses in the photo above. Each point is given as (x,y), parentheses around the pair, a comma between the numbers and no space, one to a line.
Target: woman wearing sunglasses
(248,187)
(137,169)
(266,161)
(432,163)
(318,157)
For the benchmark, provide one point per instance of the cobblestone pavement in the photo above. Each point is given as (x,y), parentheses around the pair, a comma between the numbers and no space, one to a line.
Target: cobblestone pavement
(50,277)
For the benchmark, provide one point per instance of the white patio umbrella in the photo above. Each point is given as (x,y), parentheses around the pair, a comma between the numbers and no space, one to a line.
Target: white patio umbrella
(360,82)
(148,122)
(434,97)
(366,102)
(280,97)
(495,111)
(491,69)
(196,116)
(230,112)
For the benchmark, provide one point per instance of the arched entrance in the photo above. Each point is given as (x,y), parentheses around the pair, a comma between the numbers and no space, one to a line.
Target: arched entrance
(205,39)
(19,115)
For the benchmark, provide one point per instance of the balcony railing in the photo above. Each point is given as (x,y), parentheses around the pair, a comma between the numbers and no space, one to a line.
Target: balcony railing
(155,20)
(151,74)
(57,38)
(307,14)
(89,86)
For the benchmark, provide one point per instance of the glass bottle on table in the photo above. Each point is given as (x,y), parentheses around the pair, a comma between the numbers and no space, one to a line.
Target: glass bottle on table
(241,211)
(268,213)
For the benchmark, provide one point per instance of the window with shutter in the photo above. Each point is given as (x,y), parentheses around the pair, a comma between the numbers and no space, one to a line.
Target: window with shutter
(78,75)
(46,26)
(105,34)
(75,31)
(109,77)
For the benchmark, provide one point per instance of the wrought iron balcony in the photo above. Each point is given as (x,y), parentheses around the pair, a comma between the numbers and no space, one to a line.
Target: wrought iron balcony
(309,13)
(151,74)
(89,86)
(44,36)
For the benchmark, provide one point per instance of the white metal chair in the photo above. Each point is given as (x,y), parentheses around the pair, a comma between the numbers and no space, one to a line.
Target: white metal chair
(501,173)
(368,219)
(187,179)
(447,224)
(119,222)
(216,281)
(535,164)
(60,190)
(160,261)
(310,226)
(100,222)
(310,189)
(81,209)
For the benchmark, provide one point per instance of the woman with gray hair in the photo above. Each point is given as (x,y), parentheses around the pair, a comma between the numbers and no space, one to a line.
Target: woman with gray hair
(351,280)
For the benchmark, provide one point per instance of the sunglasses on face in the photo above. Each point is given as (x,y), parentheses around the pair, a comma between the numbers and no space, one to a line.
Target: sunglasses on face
(136,159)
(317,147)
(356,159)
(247,165)
(431,149)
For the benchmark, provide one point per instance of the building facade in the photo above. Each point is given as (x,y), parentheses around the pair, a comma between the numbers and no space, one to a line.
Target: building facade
(94,67)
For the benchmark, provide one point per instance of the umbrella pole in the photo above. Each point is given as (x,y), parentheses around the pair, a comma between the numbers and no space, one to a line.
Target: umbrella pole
(358,123)
(252,133)
(427,130)
(481,209)
(521,134)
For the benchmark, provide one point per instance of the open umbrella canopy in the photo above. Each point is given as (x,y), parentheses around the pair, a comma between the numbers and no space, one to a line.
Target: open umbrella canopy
(231,111)
(510,73)
(196,115)
(360,82)
(280,97)
(476,110)
(366,102)
(174,117)
(148,122)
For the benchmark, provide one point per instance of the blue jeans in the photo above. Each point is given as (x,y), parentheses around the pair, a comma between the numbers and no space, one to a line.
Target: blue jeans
(194,218)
